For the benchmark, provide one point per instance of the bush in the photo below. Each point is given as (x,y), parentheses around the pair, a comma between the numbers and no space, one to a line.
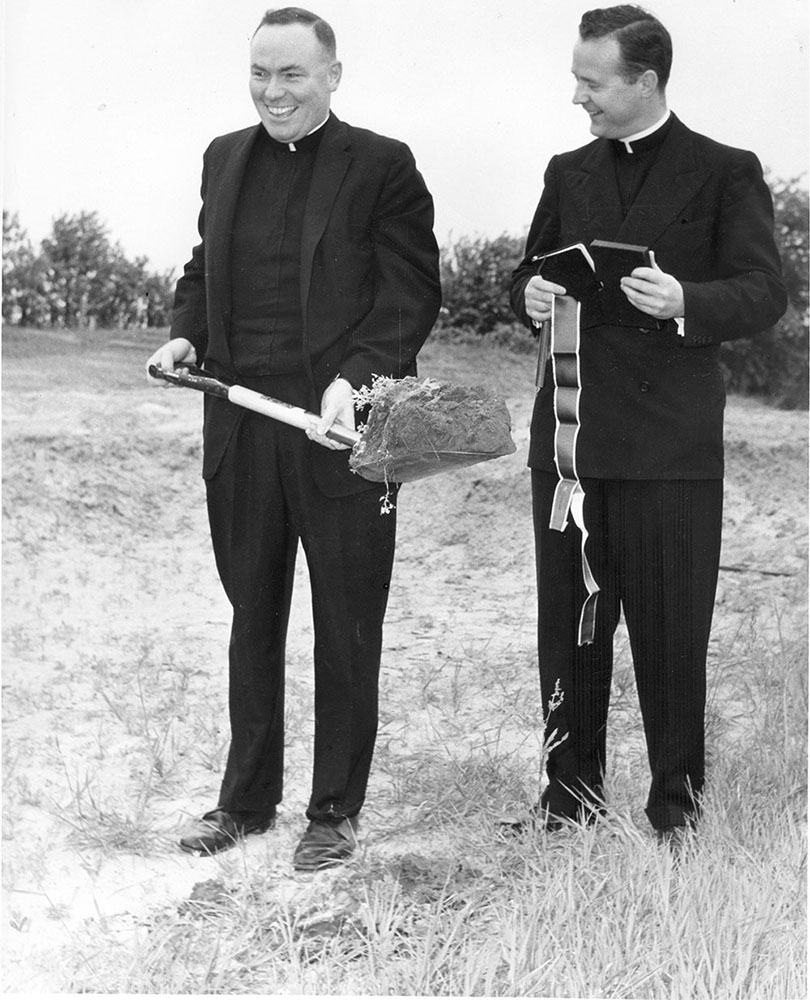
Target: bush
(476,274)
(775,365)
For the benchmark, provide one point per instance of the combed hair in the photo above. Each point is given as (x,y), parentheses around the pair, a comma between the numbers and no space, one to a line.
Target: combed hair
(297,15)
(644,42)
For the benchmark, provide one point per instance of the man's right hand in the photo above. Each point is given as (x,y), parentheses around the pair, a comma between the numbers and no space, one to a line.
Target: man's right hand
(539,298)
(173,354)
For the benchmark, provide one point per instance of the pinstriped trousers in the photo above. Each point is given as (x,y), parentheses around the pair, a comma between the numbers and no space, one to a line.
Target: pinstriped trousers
(654,548)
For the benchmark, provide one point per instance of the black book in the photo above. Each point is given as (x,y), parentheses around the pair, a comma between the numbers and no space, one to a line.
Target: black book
(574,268)
(614,261)
(592,275)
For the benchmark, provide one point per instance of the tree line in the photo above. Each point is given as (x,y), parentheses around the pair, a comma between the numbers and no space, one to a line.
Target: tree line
(79,278)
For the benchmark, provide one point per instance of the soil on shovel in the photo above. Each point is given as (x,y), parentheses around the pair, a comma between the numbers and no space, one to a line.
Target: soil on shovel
(420,428)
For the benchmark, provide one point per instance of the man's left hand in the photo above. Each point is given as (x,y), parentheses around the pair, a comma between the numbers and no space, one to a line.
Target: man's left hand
(654,292)
(337,406)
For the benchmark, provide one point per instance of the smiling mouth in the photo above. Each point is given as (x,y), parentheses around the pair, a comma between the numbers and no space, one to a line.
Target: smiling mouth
(280,112)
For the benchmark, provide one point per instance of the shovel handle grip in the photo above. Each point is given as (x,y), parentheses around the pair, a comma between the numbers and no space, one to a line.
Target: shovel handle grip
(191,378)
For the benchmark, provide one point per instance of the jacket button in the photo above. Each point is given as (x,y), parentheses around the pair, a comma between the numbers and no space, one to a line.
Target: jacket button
(644,386)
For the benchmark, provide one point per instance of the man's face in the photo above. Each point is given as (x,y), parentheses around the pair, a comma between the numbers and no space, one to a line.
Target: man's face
(291,80)
(616,108)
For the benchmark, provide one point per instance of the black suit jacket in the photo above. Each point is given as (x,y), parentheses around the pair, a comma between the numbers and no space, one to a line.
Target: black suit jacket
(652,402)
(369,276)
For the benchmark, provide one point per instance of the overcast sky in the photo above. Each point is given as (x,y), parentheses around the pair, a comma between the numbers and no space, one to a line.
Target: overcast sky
(109,104)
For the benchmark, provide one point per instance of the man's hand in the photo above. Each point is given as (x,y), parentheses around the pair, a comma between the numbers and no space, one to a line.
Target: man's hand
(539,298)
(337,406)
(654,292)
(173,354)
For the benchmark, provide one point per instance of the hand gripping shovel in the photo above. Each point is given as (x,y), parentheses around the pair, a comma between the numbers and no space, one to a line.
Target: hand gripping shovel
(415,428)
(192,377)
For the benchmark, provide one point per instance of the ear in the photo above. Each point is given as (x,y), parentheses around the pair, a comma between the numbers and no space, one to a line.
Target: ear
(335,73)
(648,81)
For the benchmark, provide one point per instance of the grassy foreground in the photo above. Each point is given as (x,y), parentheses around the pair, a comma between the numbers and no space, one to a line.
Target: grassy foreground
(436,904)
(601,912)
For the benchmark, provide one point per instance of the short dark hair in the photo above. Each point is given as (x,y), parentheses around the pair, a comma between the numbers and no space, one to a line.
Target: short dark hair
(644,42)
(297,15)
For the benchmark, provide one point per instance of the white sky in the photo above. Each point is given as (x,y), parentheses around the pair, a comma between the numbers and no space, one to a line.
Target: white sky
(109,104)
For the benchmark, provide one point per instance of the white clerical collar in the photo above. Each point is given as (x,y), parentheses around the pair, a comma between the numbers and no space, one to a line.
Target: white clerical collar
(647,131)
(292,144)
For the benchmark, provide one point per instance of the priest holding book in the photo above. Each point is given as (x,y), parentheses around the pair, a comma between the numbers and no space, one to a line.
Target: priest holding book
(676,232)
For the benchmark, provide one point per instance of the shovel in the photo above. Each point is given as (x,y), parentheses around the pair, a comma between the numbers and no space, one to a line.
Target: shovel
(415,428)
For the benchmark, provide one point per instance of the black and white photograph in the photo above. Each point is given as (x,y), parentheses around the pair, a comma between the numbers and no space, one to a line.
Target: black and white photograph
(405,498)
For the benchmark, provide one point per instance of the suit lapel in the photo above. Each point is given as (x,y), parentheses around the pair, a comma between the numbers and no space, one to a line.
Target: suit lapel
(673,180)
(676,176)
(225,184)
(594,191)
(331,163)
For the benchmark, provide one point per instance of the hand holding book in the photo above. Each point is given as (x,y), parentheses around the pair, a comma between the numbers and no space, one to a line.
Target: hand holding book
(539,298)
(599,277)
(654,292)
(594,276)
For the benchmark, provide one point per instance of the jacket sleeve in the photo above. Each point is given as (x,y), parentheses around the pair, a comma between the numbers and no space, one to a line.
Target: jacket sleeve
(544,236)
(744,293)
(189,317)
(407,290)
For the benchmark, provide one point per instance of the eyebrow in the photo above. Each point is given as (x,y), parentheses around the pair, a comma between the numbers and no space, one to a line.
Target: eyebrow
(283,69)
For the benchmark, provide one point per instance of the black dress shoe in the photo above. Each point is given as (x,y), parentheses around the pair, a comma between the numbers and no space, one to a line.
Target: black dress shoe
(674,837)
(219,830)
(326,844)
(540,820)
(535,822)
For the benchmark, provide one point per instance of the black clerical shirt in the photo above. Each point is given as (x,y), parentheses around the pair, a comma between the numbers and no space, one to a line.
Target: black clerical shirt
(633,167)
(266,328)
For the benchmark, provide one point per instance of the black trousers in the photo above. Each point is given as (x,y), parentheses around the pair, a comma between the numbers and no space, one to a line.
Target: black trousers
(261,501)
(654,549)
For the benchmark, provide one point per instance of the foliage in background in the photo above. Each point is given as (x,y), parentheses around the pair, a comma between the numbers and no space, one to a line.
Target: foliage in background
(476,275)
(78,279)
(775,364)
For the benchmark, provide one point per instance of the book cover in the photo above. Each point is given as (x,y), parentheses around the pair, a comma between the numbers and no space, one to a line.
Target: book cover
(612,262)
(572,267)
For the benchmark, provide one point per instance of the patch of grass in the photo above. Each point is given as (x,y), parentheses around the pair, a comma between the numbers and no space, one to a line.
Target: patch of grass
(114,794)
(596,912)
(600,911)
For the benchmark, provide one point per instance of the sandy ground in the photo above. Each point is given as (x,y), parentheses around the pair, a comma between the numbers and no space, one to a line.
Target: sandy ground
(115,632)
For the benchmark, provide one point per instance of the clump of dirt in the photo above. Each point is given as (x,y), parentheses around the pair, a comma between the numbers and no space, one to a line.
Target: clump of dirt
(427,880)
(206,898)
(420,428)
